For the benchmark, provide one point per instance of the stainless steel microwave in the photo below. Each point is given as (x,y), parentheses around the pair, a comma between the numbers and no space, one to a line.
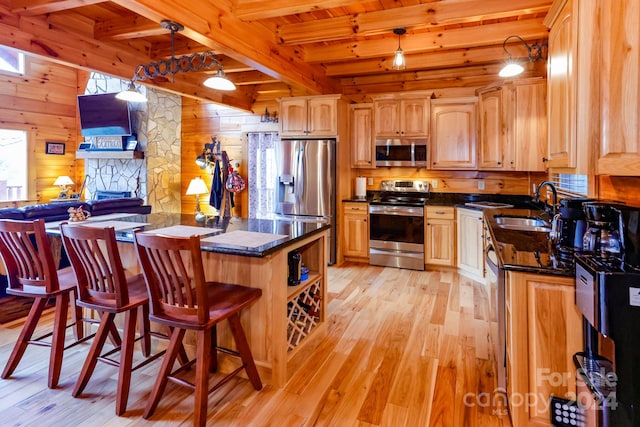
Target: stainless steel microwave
(406,152)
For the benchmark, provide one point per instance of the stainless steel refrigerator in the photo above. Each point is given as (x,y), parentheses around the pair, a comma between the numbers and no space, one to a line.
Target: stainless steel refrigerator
(306,182)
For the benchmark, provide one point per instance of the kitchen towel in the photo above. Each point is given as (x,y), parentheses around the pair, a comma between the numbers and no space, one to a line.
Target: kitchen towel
(361,187)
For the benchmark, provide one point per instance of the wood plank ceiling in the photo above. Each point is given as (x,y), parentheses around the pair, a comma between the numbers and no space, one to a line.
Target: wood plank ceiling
(280,48)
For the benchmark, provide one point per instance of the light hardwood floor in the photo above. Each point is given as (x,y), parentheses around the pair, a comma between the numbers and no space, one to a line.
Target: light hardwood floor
(403,348)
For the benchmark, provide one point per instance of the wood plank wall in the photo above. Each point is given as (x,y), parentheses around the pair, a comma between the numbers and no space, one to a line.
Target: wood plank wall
(200,122)
(43,101)
(622,188)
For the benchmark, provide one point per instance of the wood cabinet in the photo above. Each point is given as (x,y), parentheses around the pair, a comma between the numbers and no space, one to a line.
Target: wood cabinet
(470,243)
(619,88)
(440,235)
(356,230)
(542,333)
(453,133)
(492,141)
(361,131)
(400,116)
(309,116)
(513,126)
(572,85)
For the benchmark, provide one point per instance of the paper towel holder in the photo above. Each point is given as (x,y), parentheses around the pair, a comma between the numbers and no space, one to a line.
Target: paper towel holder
(361,188)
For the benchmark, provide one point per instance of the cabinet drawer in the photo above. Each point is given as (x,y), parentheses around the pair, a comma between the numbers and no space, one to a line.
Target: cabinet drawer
(440,212)
(356,207)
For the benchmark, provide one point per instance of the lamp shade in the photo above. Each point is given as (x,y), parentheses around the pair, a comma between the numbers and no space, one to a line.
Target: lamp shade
(63,181)
(219,82)
(197,186)
(511,69)
(131,94)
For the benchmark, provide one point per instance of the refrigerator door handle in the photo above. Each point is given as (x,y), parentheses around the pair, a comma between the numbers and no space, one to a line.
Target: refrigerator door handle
(300,171)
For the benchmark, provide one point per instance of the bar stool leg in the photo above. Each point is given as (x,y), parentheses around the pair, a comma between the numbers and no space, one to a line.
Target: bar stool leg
(203,364)
(57,338)
(126,360)
(106,324)
(25,335)
(244,350)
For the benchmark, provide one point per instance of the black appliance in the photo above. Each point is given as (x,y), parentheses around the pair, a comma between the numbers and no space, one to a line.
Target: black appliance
(295,268)
(570,225)
(104,115)
(396,224)
(608,295)
(604,235)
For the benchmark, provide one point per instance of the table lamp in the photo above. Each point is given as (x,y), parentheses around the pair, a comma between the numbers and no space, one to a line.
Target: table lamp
(63,182)
(198,187)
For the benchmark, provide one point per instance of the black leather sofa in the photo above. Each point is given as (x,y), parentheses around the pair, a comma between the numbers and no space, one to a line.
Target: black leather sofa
(59,211)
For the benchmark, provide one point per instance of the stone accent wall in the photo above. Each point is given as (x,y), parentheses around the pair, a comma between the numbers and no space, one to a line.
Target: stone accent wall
(157,123)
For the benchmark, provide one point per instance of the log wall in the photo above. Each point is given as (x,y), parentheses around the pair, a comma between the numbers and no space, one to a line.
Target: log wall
(43,102)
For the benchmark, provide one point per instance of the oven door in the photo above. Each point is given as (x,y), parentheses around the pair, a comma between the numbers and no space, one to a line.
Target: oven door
(396,236)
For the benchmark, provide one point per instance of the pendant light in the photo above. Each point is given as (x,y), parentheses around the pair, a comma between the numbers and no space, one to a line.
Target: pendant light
(399,62)
(512,67)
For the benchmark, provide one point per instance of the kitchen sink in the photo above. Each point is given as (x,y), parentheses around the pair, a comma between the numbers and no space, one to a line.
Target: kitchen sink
(522,223)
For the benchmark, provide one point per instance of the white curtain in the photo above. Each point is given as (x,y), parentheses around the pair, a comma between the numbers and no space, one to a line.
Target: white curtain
(262,174)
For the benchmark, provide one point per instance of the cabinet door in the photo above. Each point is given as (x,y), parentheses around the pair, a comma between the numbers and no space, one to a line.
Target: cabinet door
(541,339)
(322,118)
(561,90)
(356,230)
(387,118)
(362,143)
(620,89)
(453,130)
(414,117)
(493,152)
(293,117)
(439,242)
(470,247)
(529,127)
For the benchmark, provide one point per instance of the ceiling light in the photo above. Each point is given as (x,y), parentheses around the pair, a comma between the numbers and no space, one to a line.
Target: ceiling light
(219,81)
(512,67)
(163,67)
(131,94)
(399,62)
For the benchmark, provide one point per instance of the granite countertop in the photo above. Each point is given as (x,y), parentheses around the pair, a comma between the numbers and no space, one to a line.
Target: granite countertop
(459,199)
(289,231)
(527,251)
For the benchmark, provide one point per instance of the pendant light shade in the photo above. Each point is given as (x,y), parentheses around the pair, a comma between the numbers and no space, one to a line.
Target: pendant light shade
(131,94)
(219,81)
(399,62)
(535,52)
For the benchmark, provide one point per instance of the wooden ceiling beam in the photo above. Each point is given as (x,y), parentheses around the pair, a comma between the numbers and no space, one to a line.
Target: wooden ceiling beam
(429,60)
(465,37)
(414,17)
(42,7)
(127,27)
(248,78)
(216,27)
(38,37)
(250,10)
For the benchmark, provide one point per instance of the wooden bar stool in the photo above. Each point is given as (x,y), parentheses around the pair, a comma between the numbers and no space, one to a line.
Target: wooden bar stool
(104,287)
(28,260)
(180,297)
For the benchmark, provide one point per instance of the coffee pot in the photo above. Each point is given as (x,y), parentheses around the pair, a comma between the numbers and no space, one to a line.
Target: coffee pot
(603,236)
(569,225)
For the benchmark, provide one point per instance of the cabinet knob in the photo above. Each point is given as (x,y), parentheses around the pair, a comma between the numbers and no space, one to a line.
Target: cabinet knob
(544,160)
(499,163)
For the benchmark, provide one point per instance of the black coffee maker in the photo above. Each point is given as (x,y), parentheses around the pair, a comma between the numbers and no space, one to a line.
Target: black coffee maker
(570,225)
(604,236)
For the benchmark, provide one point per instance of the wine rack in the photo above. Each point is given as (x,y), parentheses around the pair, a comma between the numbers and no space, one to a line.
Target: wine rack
(303,311)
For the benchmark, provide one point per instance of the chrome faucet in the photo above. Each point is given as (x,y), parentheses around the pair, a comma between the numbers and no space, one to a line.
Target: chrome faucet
(554,193)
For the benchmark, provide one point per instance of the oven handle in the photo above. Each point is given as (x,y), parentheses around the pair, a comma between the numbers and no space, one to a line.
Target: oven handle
(492,265)
(396,210)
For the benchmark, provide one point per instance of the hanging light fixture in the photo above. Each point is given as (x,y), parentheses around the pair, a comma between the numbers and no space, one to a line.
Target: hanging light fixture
(194,62)
(399,62)
(513,67)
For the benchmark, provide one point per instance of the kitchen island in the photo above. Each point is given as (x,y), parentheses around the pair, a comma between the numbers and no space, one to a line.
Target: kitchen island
(285,319)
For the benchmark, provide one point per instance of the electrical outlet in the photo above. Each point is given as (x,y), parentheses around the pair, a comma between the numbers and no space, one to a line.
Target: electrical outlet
(481,184)
(434,183)
(369,181)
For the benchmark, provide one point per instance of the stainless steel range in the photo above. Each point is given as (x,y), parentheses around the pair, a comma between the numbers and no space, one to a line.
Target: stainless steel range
(396,224)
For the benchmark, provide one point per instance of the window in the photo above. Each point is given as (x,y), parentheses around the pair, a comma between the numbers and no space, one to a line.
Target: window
(11,60)
(571,185)
(13,165)
(262,174)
